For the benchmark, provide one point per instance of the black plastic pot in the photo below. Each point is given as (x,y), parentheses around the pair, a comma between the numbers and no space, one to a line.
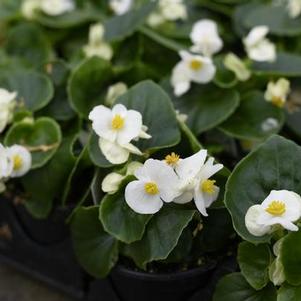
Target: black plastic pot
(180,286)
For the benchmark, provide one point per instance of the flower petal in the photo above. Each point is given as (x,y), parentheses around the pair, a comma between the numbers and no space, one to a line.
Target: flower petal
(251,221)
(113,152)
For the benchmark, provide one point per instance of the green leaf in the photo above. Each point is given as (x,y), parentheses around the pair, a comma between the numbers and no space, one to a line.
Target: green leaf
(286,65)
(290,253)
(251,123)
(41,137)
(95,249)
(254,262)
(207,106)
(120,220)
(47,183)
(9,9)
(289,293)
(87,85)
(235,287)
(120,27)
(272,166)
(293,122)
(158,114)
(276,18)
(27,41)
(34,89)
(161,236)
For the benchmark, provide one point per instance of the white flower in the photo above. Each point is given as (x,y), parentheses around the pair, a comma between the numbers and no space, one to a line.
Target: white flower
(258,47)
(21,159)
(29,8)
(114,91)
(277,92)
(116,128)
(97,46)
(6,164)
(7,106)
(236,65)
(156,183)
(192,68)
(56,7)
(281,207)
(120,7)
(205,38)
(294,8)
(112,181)
(269,124)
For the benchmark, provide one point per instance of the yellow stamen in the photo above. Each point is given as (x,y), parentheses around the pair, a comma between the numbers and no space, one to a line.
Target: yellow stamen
(151,188)
(117,122)
(276,208)
(172,159)
(208,186)
(278,101)
(18,162)
(196,65)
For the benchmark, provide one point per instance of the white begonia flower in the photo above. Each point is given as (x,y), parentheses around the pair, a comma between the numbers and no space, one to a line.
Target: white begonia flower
(276,270)
(114,91)
(120,7)
(205,38)
(192,68)
(281,207)
(277,92)
(116,128)
(236,65)
(258,47)
(97,46)
(21,159)
(56,7)
(112,181)
(7,106)
(294,8)
(6,164)
(29,8)
(156,183)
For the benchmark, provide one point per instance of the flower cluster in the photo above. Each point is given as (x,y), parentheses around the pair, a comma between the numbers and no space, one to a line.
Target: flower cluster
(281,207)
(174,180)
(116,128)
(15,161)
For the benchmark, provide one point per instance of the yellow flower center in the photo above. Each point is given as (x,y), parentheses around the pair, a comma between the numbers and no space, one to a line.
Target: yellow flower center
(18,162)
(278,101)
(172,159)
(276,208)
(151,188)
(208,186)
(196,65)
(117,122)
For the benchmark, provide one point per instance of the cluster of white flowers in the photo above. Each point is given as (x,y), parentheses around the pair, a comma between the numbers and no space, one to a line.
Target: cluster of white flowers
(173,180)
(15,161)
(280,208)
(277,92)
(168,10)
(116,128)
(97,46)
(258,47)
(48,7)
(7,106)
(197,67)
(120,7)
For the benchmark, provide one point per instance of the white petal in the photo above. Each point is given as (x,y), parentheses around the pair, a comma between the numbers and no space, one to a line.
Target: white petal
(24,155)
(6,164)
(120,7)
(113,152)
(111,182)
(132,167)
(209,169)
(57,7)
(102,50)
(140,201)
(265,51)
(184,198)
(120,109)
(180,79)
(132,149)
(200,202)
(251,221)
(6,96)
(256,35)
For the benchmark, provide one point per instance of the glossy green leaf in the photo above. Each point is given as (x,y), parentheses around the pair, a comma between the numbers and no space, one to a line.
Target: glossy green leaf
(235,287)
(289,293)
(158,114)
(120,27)
(120,220)
(251,123)
(95,249)
(290,253)
(293,122)
(272,166)
(254,262)
(88,83)
(161,236)
(42,138)
(34,90)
